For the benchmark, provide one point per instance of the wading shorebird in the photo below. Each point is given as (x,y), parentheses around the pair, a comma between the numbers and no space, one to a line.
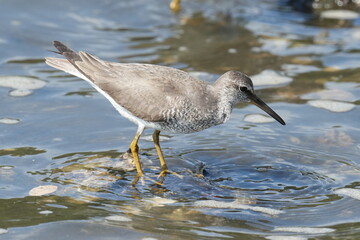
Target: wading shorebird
(159,97)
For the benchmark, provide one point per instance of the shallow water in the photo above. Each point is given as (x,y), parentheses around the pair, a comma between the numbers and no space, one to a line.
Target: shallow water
(241,180)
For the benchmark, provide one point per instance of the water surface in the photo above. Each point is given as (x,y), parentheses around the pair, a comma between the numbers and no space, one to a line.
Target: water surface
(240,180)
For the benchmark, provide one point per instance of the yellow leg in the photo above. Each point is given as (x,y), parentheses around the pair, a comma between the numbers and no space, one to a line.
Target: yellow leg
(175,5)
(159,152)
(135,151)
(164,168)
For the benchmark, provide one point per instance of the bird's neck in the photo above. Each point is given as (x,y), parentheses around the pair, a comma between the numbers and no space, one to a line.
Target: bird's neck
(225,103)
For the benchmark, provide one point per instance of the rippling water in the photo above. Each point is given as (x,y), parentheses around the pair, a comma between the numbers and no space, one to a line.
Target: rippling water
(240,180)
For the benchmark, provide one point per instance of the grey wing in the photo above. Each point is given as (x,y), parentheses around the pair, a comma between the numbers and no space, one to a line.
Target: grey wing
(147,91)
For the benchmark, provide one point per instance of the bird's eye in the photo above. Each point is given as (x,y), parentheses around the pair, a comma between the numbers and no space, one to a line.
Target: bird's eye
(243,89)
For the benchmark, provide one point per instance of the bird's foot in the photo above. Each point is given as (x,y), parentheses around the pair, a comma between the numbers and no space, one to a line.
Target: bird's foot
(144,178)
(164,172)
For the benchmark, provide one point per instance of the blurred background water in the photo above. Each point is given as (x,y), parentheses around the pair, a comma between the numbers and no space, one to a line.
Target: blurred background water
(242,180)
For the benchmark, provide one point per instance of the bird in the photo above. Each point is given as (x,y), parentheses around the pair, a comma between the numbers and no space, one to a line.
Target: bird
(160,97)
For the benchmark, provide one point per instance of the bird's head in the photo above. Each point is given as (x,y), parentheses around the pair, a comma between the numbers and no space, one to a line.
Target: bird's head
(243,89)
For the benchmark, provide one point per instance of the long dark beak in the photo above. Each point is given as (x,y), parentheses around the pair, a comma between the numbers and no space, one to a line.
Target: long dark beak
(258,102)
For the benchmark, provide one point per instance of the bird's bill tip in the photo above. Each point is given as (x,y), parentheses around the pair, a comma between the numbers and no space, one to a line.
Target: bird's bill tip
(258,102)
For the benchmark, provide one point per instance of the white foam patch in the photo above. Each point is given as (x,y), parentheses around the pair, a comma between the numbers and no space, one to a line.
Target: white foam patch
(42,190)
(294,69)
(258,118)
(274,45)
(22,86)
(210,234)
(2,231)
(118,218)
(19,82)
(339,14)
(9,120)
(333,94)
(286,238)
(159,201)
(235,205)
(20,92)
(333,106)
(232,50)
(6,167)
(270,77)
(305,230)
(283,47)
(183,49)
(350,192)
(46,212)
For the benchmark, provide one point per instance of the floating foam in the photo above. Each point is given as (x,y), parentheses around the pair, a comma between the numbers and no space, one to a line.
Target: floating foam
(294,69)
(286,238)
(183,49)
(235,205)
(46,212)
(232,50)
(339,14)
(42,190)
(270,77)
(306,230)
(273,45)
(6,167)
(2,231)
(19,82)
(9,120)
(350,192)
(159,201)
(331,105)
(210,234)
(22,85)
(333,94)
(258,118)
(118,218)
(20,92)
(282,47)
